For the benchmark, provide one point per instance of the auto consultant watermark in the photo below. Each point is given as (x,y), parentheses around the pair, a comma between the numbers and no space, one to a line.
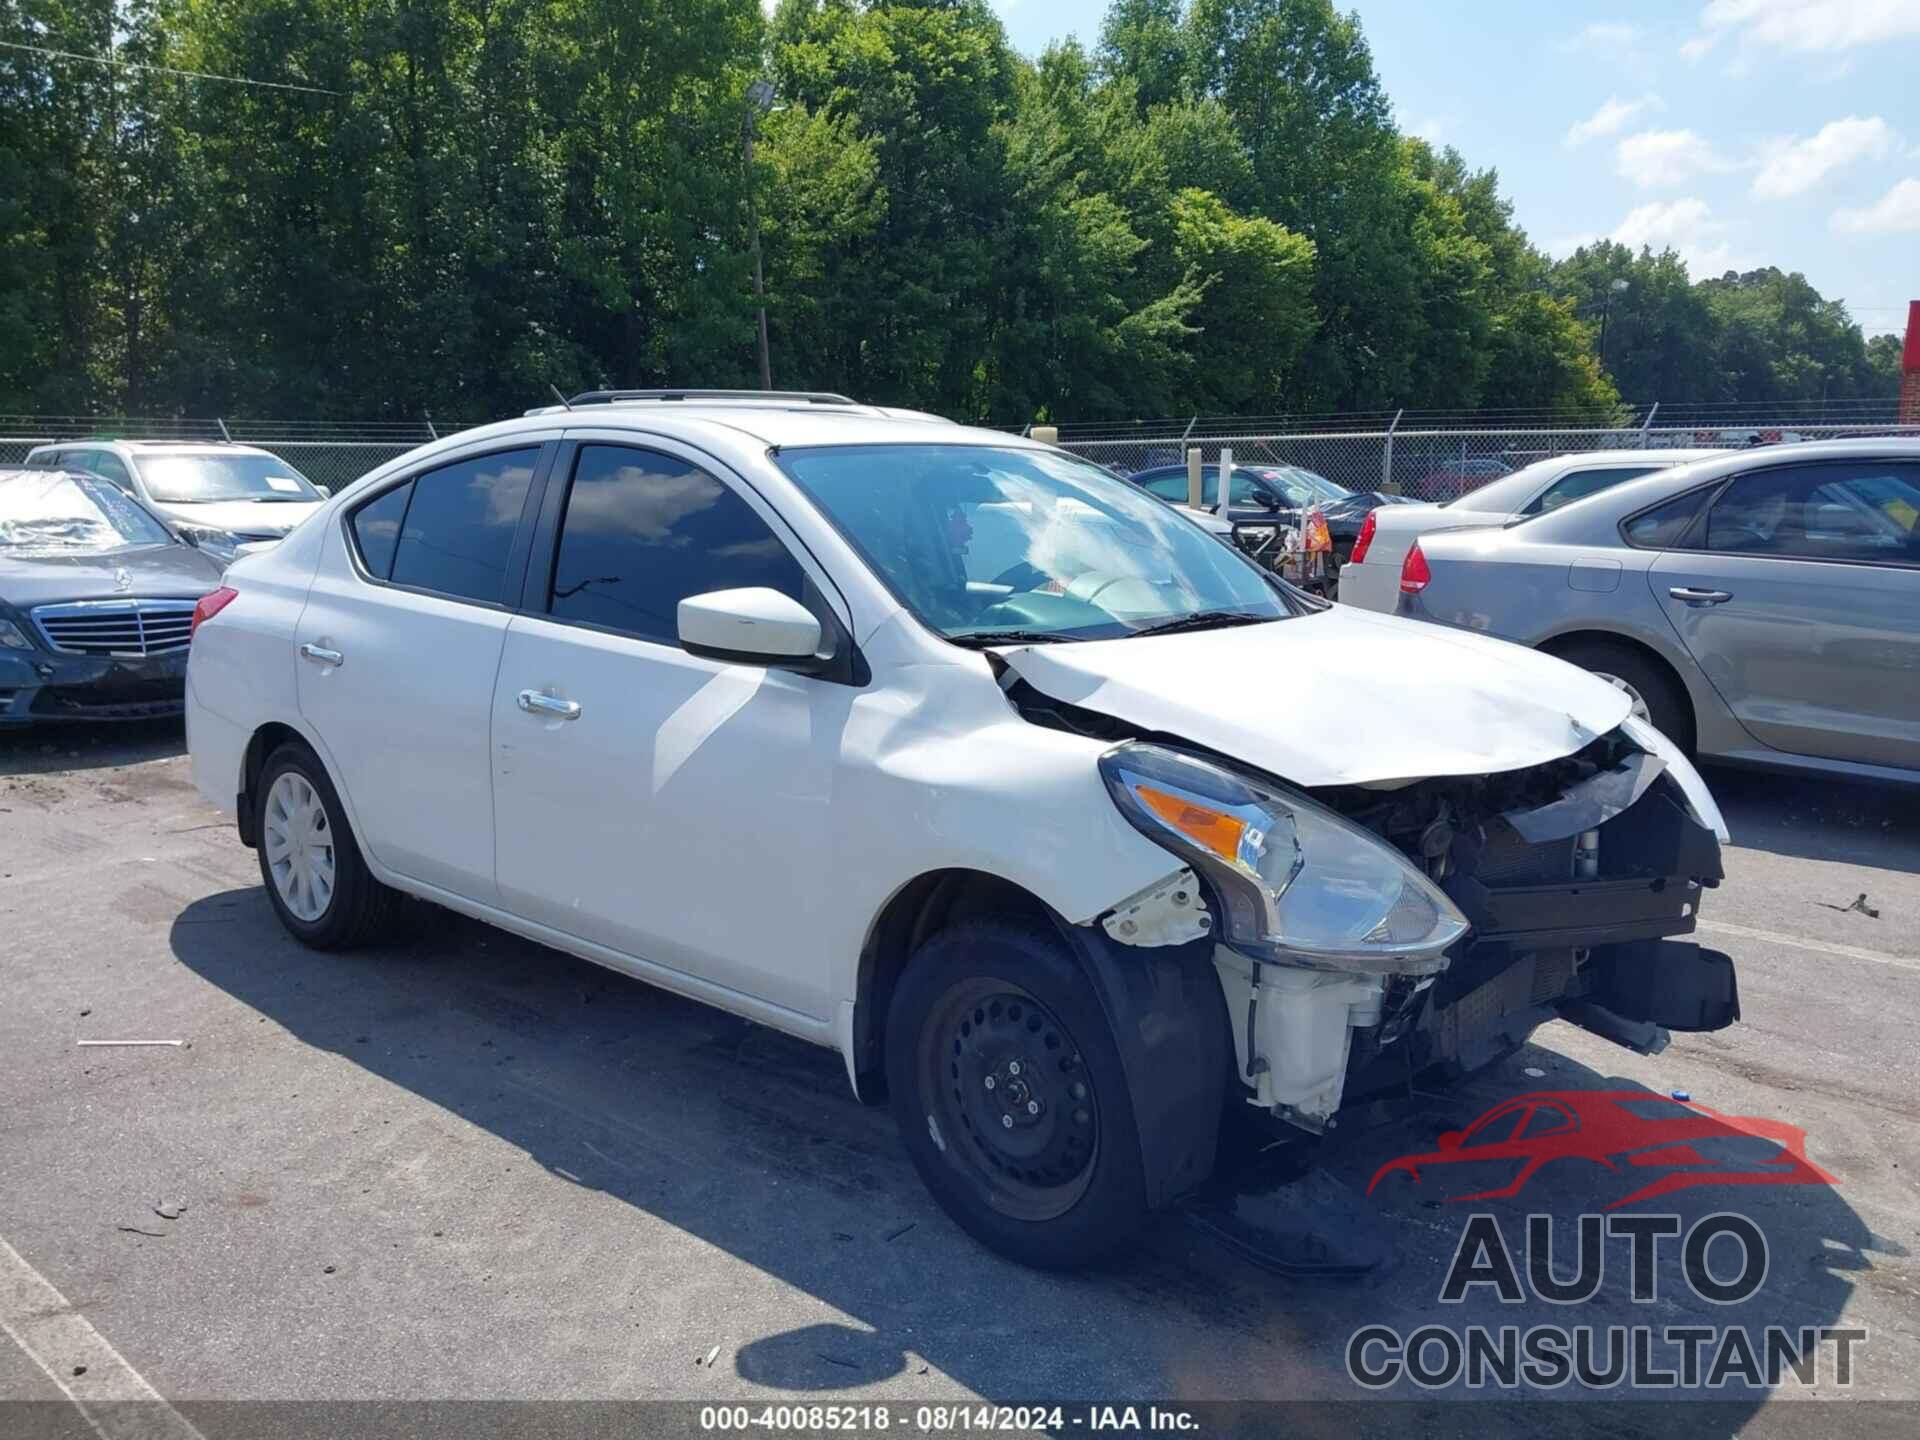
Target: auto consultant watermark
(1723,1260)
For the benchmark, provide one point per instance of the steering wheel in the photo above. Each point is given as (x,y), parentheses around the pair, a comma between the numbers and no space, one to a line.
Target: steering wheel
(1024,576)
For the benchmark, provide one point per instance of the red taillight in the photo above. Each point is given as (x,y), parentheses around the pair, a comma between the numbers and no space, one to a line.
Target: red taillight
(1414,574)
(1359,556)
(211,604)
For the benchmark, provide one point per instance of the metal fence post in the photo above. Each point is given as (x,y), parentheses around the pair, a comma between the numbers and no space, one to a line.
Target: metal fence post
(1647,424)
(221,421)
(1386,458)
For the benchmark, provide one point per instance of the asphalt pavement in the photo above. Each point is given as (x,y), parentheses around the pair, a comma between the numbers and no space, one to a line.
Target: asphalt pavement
(469,1167)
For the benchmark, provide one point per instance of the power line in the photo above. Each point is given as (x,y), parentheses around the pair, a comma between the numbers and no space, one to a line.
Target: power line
(165,70)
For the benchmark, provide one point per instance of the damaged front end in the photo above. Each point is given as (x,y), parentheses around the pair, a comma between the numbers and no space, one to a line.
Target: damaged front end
(1369,935)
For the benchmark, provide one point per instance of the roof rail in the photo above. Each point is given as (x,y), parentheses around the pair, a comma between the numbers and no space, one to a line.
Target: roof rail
(807,397)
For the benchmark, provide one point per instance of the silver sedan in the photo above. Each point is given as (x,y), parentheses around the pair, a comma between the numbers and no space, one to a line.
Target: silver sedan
(1762,607)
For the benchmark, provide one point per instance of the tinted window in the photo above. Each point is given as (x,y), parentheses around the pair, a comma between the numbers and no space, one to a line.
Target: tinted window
(109,466)
(376,529)
(1582,483)
(460,525)
(1664,525)
(1845,510)
(1174,486)
(643,531)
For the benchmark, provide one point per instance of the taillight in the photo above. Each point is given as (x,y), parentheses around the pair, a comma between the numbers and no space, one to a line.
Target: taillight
(211,604)
(1359,556)
(1414,573)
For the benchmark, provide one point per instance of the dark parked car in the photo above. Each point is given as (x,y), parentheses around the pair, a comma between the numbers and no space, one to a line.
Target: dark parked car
(1261,493)
(96,601)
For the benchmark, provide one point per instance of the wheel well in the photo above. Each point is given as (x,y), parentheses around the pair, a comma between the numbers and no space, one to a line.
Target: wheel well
(265,741)
(1560,644)
(919,910)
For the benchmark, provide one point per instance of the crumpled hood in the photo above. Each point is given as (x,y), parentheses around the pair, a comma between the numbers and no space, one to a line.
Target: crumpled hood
(1340,697)
(243,517)
(153,572)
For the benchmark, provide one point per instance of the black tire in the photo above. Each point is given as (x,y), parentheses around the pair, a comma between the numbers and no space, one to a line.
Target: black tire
(1666,699)
(1063,1185)
(360,910)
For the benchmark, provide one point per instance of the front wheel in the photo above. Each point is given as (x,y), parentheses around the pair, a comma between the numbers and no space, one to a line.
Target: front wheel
(1010,1095)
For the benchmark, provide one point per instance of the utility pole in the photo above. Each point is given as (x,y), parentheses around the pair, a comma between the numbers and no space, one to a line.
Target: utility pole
(759,102)
(1614,287)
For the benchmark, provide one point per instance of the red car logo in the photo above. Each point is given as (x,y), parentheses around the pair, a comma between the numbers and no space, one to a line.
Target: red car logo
(1623,1130)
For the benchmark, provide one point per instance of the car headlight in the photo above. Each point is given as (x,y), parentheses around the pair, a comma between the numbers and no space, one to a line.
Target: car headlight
(1300,884)
(217,543)
(12,637)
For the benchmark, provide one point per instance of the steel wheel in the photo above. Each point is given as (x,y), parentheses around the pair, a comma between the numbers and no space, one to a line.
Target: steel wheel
(1012,1099)
(298,844)
(1641,710)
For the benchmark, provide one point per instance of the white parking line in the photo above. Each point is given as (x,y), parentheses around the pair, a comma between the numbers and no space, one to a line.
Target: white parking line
(89,1371)
(1824,947)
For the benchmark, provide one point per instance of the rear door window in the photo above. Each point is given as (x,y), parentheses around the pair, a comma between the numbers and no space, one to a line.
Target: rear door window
(376,529)
(460,524)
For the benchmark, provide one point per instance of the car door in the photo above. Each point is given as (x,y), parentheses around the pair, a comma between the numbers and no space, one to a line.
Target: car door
(1798,593)
(397,650)
(672,808)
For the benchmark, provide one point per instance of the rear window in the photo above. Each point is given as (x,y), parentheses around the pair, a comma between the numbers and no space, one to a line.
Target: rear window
(1665,525)
(460,524)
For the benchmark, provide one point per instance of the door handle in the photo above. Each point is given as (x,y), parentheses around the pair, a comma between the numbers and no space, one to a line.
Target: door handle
(320,655)
(1700,597)
(535,702)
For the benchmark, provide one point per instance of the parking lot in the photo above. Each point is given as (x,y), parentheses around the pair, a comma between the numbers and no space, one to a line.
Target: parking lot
(471,1167)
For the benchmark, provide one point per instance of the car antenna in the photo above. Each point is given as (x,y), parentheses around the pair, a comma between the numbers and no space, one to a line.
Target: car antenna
(565,404)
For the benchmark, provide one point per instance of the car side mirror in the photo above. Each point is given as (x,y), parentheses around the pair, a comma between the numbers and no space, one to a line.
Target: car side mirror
(187,537)
(754,626)
(326,491)
(1450,1139)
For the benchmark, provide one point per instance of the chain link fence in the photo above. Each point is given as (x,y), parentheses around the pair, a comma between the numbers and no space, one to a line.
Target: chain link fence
(327,453)
(1443,463)
(1431,458)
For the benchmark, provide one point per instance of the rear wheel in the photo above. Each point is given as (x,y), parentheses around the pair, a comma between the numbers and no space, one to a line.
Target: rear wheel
(1010,1095)
(319,885)
(1656,696)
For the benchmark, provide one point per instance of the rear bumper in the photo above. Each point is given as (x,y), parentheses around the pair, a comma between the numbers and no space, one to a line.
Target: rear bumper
(1370,587)
(40,688)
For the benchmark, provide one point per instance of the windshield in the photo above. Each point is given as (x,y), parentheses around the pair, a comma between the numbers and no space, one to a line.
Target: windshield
(980,541)
(193,478)
(1318,487)
(69,514)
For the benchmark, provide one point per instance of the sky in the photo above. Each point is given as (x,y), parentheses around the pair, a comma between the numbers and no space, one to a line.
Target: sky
(1739,132)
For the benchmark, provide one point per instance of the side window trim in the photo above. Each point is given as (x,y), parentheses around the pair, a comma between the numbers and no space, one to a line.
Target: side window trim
(523,531)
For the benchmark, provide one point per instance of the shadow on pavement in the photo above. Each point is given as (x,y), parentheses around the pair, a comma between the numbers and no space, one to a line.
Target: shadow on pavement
(44,749)
(751,1142)
(1855,822)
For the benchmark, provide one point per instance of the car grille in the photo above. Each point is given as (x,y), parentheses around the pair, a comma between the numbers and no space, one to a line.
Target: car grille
(116,627)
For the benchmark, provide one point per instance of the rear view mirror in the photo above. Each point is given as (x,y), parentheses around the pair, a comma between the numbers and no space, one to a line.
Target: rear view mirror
(755,625)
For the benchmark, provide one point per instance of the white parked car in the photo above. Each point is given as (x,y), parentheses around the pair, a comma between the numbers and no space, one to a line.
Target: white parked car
(1371,576)
(1067,826)
(219,497)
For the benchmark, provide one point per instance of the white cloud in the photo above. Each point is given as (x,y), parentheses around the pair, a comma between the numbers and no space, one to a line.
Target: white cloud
(1695,50)
(1686,226)
(1802,25)
(1895,213)
(1605,37)
(1656,158)
(1792,167)
(1610,119)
